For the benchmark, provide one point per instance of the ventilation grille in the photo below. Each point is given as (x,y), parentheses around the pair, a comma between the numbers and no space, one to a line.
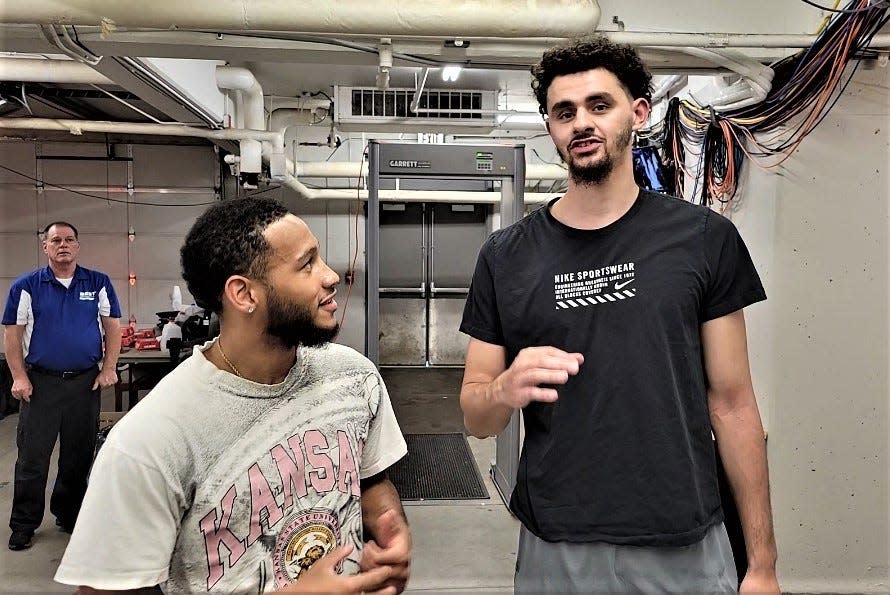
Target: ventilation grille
(370,108)
(396,103)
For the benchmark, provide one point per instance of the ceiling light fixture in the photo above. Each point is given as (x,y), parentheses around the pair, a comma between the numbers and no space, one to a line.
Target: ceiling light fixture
(450,72)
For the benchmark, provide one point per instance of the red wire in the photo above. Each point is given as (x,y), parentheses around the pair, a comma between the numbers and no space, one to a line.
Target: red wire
(351,272)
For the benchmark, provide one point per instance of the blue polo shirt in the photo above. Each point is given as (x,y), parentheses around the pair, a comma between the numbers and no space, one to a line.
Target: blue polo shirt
(63,328)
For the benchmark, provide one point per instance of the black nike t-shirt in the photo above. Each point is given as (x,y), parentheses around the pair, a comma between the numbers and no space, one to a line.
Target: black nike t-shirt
(625,455)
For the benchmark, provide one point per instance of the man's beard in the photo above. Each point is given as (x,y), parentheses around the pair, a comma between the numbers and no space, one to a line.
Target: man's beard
(596,173)
(291,324)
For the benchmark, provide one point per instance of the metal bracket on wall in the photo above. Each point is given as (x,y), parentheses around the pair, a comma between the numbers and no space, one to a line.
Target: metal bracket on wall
(130,186)
(38,167)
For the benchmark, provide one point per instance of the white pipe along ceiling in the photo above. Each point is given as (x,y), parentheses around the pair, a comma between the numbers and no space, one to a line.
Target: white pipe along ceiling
(78,127)
(35,70)
(352,169)
(493,18)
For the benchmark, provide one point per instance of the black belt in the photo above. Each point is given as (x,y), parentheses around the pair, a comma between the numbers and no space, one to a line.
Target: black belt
(63,374)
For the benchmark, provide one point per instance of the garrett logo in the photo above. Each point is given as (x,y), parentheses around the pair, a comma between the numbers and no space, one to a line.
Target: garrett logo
(409,164)
(306,537)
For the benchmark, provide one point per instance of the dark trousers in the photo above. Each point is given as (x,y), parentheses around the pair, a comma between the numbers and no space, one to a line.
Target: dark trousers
(68,409)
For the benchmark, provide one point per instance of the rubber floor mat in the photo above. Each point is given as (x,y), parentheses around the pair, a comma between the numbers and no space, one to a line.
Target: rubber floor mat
(437,467)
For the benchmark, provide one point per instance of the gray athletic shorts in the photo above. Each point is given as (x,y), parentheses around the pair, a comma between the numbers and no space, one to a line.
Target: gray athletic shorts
(562,567)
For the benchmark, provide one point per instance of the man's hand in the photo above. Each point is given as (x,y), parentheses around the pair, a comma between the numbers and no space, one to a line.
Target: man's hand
(533,367)
(105,379)
(757,582)
(22,389)
(390,548)
(323,577)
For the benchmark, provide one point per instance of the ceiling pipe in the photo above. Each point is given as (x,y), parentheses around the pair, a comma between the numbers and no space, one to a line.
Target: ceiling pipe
(326,169)
(282,119)
(384,51)
(251,93)
(642,38)
(726,40)
(751,89)
(32,70)
(350,170)
(446,196)
(78,127)
(238,101)
(241,79)
(275,102)
(668,85)
(494,18)
(285,112)
(58,36)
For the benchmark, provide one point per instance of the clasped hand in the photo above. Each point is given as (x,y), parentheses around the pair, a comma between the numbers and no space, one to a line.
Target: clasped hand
(383,570)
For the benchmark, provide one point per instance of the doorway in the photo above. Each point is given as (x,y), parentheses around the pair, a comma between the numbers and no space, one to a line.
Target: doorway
(427,255)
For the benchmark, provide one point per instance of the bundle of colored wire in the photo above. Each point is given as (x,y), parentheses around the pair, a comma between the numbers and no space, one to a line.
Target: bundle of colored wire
(805,87)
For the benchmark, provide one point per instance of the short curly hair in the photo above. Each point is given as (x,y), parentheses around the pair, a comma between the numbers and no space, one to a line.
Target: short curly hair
(588,53)
(227,239)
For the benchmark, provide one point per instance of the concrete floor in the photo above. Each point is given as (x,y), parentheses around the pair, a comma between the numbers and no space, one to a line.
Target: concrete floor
(464,546)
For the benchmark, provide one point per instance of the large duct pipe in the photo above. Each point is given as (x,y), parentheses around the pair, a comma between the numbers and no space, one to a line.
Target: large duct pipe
(494,18)
(32,70)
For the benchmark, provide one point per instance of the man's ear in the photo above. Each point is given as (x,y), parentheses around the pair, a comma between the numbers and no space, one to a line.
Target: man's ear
(240,292)
(641,110)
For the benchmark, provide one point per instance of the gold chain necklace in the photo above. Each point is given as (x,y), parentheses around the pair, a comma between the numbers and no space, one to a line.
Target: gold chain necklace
(223,354)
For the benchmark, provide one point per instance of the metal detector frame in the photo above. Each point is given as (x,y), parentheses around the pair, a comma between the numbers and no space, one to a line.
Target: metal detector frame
(505,163)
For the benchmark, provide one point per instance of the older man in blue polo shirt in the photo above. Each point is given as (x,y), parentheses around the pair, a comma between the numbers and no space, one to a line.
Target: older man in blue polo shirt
(56,321)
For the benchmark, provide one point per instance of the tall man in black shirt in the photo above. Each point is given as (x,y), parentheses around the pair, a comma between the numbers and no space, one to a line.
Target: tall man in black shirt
(613,319)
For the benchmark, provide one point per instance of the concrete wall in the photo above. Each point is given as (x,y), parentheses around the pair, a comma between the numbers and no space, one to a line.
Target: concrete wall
(818,231)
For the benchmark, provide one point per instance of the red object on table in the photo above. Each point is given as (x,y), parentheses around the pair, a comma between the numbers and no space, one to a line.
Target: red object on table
(148,344)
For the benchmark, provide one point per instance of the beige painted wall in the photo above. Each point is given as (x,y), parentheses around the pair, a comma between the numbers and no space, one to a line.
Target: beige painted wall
(818,230)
